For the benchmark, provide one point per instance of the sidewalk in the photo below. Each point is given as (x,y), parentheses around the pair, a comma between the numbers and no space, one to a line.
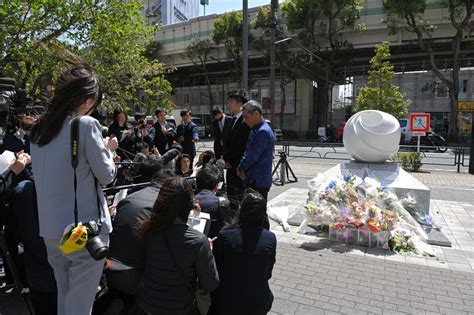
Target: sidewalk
(313,275)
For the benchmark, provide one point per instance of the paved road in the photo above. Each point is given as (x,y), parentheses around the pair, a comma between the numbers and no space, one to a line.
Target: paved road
(325,154)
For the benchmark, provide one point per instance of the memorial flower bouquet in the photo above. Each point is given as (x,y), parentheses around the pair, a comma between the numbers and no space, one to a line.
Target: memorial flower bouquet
(410,203)
(363,211)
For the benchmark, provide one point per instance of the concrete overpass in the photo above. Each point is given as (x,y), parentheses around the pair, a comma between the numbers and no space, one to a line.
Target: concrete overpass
(190,90)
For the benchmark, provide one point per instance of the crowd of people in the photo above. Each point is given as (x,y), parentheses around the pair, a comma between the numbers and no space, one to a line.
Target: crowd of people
(155,263)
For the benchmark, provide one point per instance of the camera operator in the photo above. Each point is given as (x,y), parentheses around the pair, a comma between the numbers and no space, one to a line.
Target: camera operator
(19,197)
(124,132)
(77,272)
(142,133)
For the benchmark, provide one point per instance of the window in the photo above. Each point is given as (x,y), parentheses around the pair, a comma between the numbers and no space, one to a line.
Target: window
(463,86)
(441,90)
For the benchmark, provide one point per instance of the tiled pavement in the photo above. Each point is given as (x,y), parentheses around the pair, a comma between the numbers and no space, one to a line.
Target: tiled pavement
(313,275)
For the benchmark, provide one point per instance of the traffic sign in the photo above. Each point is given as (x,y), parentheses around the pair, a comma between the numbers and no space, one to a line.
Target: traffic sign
(467,107)
(418,134)
(419,122)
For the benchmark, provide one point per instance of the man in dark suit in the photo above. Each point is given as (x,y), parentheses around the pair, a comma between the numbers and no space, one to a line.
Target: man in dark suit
(187,134)
(207,181)
(164,132)
(220,127)
(235,144)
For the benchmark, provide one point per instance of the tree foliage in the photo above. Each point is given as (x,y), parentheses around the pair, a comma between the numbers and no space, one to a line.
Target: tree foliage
(380,93)
(263,43)
(228,31)
(319,25)
(199,52)
(39,36)
(319,21)
(409,16)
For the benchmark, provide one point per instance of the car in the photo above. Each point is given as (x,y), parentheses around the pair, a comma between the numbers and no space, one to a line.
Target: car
(406,136)
(278,134)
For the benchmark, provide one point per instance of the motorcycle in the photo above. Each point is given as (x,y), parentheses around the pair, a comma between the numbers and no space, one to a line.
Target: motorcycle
(432,139)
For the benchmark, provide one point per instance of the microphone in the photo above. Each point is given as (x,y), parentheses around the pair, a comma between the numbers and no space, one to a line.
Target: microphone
(169,156)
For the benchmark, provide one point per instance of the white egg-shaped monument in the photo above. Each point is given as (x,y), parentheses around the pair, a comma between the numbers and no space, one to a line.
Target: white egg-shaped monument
(372,136)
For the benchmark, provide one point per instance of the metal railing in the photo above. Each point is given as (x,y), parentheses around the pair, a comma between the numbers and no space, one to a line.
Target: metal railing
(455,157)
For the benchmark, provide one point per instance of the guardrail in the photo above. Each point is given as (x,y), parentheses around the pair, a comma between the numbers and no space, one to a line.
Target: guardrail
(455,157)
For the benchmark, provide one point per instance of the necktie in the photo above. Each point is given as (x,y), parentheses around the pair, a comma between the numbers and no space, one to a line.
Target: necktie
(234,119)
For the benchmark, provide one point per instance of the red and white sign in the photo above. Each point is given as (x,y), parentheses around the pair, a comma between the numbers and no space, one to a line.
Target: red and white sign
(418,134)
(419,122)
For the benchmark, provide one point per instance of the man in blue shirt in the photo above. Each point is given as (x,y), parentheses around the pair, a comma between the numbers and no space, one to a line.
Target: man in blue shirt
(255,167)
(187,134)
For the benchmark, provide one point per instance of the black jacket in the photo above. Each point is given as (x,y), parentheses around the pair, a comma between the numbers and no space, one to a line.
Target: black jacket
(221,136)
(126,245)
(126,144)
(185,134)
(218,208)
(245,257)
(166,290)
(236,142)
(160,139)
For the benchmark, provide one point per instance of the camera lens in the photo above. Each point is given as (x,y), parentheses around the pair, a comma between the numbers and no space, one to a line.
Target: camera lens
(97,249)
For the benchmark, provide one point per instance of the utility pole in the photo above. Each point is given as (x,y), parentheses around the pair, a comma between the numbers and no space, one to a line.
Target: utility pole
(245,45)
(471,155)
(273,8)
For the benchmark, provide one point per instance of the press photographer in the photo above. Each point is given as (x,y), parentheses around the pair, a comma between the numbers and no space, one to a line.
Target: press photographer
(69,195)
(20,215)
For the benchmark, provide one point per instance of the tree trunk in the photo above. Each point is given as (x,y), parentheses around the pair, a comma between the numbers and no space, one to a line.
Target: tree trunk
(471,156)
(453,116)
(209,89)
(321,105)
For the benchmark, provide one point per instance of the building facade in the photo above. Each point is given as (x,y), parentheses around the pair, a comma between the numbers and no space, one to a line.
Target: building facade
(296,104)
(168,12)
(427,94)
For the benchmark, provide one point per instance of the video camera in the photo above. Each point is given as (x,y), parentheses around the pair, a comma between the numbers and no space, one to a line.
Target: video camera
(13,102)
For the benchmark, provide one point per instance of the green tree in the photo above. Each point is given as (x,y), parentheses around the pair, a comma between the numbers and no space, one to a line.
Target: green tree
(40,36)
(380,93)
(228,31)
(263,43)
(199,52)
(319,25)
(409,16)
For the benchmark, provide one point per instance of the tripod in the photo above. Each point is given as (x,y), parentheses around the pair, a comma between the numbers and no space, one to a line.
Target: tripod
(283,171)
(24,293)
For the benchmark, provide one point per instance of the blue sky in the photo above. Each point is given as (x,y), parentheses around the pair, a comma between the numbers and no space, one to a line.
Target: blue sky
(221,6)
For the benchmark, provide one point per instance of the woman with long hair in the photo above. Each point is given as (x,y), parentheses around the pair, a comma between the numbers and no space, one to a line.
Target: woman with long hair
(121,129)
(245,255)
(179,258)
(77,274)
(183,165)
